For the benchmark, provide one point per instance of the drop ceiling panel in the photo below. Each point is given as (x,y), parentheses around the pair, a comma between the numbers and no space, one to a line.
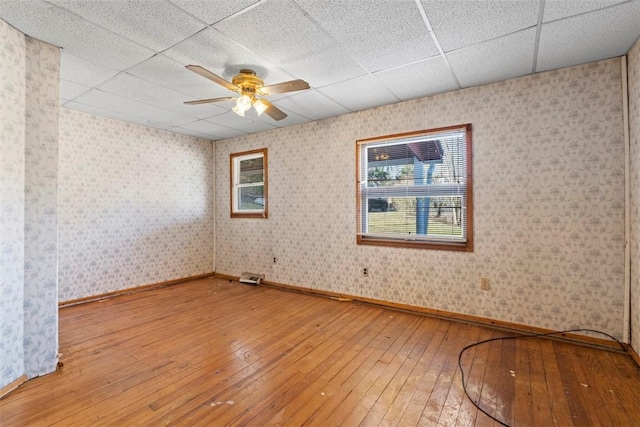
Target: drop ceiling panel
(420,79)
(146,92)
(70,90)
(463,23)
(172,74)
(503,58)
(141,113)
(156,25)
(300,47)
(360,93)
(292,118)
(312,105)
(247,124)
(558,9)
(382,35)
(82,71)
(79,37)
(282,44)
(589,37)
(211,130)
(322,68)
(212,11)
(222,56)
(101,112)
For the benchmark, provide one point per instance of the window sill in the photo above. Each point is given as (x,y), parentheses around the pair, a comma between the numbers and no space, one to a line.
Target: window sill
(396,243)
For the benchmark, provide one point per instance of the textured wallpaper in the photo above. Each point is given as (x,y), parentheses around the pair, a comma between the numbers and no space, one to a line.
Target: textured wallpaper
(135,205)
(548,204)
(12,118)
(41,206)
(633,67)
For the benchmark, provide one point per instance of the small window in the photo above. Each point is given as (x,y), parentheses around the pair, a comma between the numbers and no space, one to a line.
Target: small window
(415,190)
(249,184)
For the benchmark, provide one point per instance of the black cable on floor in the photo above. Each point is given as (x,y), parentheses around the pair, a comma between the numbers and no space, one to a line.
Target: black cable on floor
(514,337)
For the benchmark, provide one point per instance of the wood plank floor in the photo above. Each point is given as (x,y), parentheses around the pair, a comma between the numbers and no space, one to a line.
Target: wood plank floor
(213,352)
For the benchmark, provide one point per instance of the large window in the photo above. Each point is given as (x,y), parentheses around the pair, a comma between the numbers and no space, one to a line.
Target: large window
(249,184)
(414,189)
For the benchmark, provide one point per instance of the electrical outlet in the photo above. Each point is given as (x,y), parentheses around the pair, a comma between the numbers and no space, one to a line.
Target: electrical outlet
(274,260)
(484,284)
(365,272)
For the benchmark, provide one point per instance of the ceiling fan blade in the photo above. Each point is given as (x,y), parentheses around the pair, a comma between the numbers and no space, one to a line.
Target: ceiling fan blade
(290,86)
(213,77)
(209,100)
(274,112)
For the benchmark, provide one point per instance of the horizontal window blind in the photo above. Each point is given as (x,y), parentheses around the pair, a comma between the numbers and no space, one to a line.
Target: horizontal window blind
(415,187)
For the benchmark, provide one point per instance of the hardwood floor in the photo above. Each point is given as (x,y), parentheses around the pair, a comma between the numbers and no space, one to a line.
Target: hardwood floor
(213,352)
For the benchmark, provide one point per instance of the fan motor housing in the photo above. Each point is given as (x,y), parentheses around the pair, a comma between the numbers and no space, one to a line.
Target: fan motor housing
(247,80)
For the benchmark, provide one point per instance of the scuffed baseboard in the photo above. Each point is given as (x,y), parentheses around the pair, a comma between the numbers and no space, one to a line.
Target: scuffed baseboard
(12,385)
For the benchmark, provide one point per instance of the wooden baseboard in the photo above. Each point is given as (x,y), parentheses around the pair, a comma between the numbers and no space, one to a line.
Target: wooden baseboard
(12,385)
(448,315)
(133,290)
(634,355)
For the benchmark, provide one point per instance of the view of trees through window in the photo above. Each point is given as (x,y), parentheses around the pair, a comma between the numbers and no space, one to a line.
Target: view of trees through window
(415,186)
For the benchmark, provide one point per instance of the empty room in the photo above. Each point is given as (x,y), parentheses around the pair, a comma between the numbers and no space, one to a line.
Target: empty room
(323,213)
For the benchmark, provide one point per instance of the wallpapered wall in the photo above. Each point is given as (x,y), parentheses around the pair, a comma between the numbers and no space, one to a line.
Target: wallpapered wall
(634,127)
(12,118)
(28,202)
(135,205)
(548,204)
(41,206)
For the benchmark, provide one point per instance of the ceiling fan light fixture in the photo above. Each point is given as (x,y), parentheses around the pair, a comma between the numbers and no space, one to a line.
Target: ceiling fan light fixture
(260,106)
(239,111)
(243,102)
(247,84)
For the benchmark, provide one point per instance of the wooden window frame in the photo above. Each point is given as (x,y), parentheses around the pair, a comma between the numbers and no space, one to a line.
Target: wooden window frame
(233,159)
(467,245)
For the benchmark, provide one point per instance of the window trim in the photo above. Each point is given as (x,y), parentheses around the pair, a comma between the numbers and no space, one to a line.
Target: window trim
(466,246)
(233,159)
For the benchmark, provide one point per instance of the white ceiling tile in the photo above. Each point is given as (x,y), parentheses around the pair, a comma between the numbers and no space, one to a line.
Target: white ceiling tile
(590,37)
(382,35)
(98,111)
(212,130)
(69,90)
(498,59)
(292,118)
(325,67)
(462,23)
(182,130)
(312,104)
(77,36)
(82,71)
(143,113)
(420,79)
(141,90)
(282,44)
(558,9)
(248,124)
(212,11)
(153,24)
(360,93)
(299,46)
(169,73)
(222,56)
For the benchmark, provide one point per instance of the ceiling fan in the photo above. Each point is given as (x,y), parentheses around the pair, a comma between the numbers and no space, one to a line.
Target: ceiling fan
(250,87)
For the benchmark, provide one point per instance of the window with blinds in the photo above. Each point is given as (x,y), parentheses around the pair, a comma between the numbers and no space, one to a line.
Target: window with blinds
(414,189)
